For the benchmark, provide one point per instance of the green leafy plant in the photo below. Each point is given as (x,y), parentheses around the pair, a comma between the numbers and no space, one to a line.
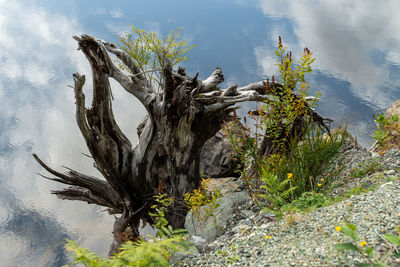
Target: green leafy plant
(307,160)
(139,253)
(276,193)
(359,245)
(199,199)
(161,224)
(385,126)
(308,201)
(304,155)
(150,51)
(280,111)
(284,107)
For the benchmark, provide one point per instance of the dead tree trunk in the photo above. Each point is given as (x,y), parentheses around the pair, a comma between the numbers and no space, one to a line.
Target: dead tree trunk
(180,119)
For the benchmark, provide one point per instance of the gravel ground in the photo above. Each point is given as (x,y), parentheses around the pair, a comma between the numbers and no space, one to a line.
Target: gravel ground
(308,239)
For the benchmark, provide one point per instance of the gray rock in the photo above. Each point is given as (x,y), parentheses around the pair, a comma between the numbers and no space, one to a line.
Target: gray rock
(248,213)
(225,185)
(179,256)
(210,227)
(215,158)
(198,242)
(393,110)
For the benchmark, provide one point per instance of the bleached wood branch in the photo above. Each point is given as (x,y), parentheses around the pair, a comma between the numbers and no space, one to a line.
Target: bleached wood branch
(84,187)
(211,82)
(95,51)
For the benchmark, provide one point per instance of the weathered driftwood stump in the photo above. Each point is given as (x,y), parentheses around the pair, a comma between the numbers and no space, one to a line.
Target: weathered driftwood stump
(181,118)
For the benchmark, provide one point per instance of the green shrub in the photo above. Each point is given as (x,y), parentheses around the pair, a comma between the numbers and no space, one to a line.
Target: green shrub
(288,101)
(307,159)
(199,198)
(150,51)
(286,104)
(303,156)
(385,126)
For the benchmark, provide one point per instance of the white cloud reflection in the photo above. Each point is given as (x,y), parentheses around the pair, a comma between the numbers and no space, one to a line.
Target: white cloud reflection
(38,57)
(344,35)
(117,13)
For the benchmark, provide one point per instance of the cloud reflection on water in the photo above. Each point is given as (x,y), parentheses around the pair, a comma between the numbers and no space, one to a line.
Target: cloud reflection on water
(344,36)
(38,56)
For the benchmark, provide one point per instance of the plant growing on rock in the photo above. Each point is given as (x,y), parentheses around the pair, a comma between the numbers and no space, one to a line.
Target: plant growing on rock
(386,128)
(199,199)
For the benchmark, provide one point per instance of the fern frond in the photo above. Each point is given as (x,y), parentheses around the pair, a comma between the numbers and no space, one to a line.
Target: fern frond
(139,253)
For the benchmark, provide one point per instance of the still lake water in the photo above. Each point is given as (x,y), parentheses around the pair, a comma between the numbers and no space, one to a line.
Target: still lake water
(356,43)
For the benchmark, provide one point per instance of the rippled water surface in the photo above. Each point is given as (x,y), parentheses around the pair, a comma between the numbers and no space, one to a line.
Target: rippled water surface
(356,43)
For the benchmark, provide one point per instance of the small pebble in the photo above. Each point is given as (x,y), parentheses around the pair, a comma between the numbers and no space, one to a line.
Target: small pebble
(390,172)
(375,155)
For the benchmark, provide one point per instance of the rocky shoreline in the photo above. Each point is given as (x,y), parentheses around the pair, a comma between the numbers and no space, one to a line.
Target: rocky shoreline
(239,236)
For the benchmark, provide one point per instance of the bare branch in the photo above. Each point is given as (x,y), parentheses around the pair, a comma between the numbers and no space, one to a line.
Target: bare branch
(226,102)
(259,87)
(211,82)
(146,71)
(80,105)
(97,189)
(83,194)
(101,63)
(124,57)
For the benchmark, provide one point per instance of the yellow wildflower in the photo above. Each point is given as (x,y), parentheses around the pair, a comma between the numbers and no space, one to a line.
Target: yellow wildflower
(338,228)
(322,180)
(289,175)
(267,237)
(363,243)
(319,184)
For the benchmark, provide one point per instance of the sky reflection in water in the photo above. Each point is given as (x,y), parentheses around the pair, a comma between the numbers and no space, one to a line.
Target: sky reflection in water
(356,44)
